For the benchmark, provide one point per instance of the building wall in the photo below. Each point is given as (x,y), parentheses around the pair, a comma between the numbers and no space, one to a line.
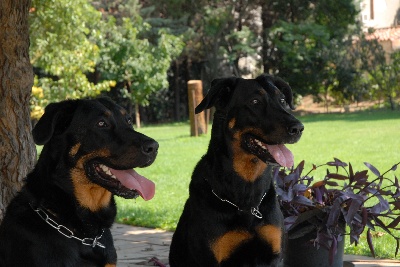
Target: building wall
(380,13)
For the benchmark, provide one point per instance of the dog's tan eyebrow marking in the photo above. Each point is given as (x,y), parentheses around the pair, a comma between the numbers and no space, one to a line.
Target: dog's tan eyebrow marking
(232,123)
(74,149)
(273,235)
(226,244)
(123,111)
(262,91)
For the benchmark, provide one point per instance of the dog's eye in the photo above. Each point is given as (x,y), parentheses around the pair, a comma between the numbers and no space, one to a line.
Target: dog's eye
(129,121)
(102,124)
(283,101)
(255,101)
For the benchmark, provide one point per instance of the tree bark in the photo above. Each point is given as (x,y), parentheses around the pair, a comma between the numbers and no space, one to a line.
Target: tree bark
(17,150)
(137,114)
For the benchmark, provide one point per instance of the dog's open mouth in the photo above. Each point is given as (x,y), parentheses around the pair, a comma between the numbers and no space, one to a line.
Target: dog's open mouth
(277,154)
(124,183)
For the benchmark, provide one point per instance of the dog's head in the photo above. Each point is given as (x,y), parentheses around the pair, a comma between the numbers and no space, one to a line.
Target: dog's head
(96,147)
(256,114)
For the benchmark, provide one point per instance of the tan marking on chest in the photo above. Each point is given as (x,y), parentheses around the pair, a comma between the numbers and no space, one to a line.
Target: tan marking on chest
(247,165)
(110,265)
(223,246)
(88,194)
(273,235)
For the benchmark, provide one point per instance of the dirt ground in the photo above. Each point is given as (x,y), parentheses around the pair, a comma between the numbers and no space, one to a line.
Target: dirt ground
(308,106)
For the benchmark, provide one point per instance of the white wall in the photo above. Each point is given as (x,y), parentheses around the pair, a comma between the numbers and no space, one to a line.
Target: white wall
(385,12)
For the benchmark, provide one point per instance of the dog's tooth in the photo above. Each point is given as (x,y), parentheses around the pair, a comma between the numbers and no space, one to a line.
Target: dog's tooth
(113,176)
(105,169)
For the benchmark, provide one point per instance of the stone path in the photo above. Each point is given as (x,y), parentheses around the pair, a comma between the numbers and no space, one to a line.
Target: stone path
(137,245)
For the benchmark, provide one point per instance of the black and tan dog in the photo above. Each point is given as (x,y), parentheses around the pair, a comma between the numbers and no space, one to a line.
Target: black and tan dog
(63,213)
(232,217)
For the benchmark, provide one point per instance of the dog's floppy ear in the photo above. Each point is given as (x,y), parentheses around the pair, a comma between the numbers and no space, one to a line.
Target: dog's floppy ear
(55,120)
(218,95)
(279,83)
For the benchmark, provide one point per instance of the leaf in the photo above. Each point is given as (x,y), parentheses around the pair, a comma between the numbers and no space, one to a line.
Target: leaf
(354,207)
(382,206)
(369,240)
(318,195)
(331,183)
(373,169)
(337,176)
(394,167)
(318,184)
(332,250)
(361,177)
(301,231)
(351,176)
(300,167)
(299,188)
(364,213)
(302,200)
(337,163)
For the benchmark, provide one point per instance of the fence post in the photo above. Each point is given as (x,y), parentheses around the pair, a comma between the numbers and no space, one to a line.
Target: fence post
(195,95)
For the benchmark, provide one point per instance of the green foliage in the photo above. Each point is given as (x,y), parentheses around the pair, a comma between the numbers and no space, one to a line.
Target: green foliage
(141,65)
(382,72)
(60,47)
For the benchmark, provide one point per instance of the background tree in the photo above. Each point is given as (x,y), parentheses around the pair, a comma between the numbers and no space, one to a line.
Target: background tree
(382,71)
(134,56)
(62,52)
(17,151)
(302,40)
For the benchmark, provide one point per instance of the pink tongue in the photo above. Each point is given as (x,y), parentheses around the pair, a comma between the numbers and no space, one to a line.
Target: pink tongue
(132,180)
(281,154)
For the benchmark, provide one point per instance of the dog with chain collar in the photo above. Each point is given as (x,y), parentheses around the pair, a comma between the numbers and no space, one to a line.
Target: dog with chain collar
(232,217)
(63,214)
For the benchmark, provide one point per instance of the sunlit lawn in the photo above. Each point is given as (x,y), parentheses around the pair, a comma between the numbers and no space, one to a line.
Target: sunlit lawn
(372,137)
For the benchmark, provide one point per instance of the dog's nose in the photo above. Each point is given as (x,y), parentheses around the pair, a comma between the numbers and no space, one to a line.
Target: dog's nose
(150,147)
(296,129)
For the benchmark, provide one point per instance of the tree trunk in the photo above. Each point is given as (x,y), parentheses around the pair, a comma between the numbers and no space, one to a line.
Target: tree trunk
(137,114)
(267,19)
(17,151)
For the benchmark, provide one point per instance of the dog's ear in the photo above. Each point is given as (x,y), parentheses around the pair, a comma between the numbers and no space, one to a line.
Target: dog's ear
(218,95)
(284,87)
(55,120)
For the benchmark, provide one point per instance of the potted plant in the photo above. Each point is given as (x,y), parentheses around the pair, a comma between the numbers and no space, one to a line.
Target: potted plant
(316,212)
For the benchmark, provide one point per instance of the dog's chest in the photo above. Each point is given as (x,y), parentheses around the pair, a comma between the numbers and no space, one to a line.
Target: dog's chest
(226,244)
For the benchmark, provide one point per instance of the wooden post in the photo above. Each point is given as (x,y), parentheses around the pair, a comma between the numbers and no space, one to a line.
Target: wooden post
(195,95)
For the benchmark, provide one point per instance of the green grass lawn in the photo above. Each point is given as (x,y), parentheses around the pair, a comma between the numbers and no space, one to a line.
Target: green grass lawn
(372,137)
(358,137)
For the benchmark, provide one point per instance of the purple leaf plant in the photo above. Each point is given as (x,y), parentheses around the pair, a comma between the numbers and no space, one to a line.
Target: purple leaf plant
(323,208)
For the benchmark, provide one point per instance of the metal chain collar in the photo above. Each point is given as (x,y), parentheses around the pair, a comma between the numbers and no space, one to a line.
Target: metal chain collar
(67,232)
(254,211)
